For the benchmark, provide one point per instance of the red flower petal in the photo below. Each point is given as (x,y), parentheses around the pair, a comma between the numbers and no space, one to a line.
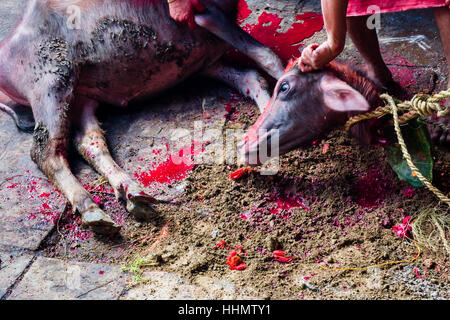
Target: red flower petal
(239,173)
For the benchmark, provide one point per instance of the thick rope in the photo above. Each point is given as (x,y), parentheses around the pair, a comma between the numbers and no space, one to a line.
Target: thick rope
(422,105)
(407,156)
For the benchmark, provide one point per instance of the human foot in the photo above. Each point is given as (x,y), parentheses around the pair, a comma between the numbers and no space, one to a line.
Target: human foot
(440,133)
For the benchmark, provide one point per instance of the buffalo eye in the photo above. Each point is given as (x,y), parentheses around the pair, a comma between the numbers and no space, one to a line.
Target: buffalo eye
(284,87)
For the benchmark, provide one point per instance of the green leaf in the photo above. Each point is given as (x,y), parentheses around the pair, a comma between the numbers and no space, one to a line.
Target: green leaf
(418,143)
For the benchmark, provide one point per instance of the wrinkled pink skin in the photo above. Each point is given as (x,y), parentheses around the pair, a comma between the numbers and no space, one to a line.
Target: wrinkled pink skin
(125,50)
(306,106)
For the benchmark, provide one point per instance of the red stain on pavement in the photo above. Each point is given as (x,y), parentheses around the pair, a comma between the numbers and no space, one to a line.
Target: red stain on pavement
(243,12)
(285,44)
(267,30)
(176,167)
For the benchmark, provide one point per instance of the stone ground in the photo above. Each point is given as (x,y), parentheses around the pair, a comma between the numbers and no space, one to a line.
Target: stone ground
(411,46)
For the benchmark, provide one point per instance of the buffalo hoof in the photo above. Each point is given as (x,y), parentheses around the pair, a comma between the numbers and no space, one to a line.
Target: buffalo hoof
(99,222)
(141,205)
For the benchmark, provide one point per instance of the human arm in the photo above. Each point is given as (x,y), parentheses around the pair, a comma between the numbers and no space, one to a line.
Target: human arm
(183,11)
(316,56)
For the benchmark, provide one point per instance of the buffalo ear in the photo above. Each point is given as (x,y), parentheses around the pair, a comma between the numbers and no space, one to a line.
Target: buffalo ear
(339,96)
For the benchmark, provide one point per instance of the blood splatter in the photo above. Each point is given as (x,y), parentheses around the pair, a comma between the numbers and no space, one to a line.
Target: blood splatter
(176,167)
(371,189)
(287,203)
(243,12)
(267,30)
(287,44)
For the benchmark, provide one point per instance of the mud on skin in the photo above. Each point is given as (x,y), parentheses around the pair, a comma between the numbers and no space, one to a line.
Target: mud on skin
(40,142)
(130,39)
(125,35)
(53,58)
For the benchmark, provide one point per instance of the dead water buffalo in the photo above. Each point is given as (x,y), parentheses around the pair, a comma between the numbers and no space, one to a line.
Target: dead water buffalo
(122,50)
(130,49)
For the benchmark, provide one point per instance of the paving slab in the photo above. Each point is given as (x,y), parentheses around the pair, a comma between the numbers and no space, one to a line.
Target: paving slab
(53,279)
(12,265)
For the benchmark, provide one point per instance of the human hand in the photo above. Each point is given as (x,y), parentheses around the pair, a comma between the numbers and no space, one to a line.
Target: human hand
(183,11)
(314,57)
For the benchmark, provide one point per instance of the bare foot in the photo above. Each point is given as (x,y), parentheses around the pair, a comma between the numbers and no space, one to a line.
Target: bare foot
(383,78)
(440,135)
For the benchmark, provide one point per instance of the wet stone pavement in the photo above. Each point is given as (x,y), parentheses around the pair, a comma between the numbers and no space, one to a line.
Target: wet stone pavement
(30,206)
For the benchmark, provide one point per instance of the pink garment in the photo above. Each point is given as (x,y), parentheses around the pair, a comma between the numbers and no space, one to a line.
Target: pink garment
(359,7)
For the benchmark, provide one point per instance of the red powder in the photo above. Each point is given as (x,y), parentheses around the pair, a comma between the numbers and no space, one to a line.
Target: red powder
(100,188)
(176,167)
(286,203)
(409,193)
(74,231)
(46,213)
(98,200)
(44,204)
(403,229)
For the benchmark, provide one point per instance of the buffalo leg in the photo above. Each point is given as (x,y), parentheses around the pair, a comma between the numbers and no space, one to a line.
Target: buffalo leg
(91,144)
(49,153)
(248,82)
(215,21)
